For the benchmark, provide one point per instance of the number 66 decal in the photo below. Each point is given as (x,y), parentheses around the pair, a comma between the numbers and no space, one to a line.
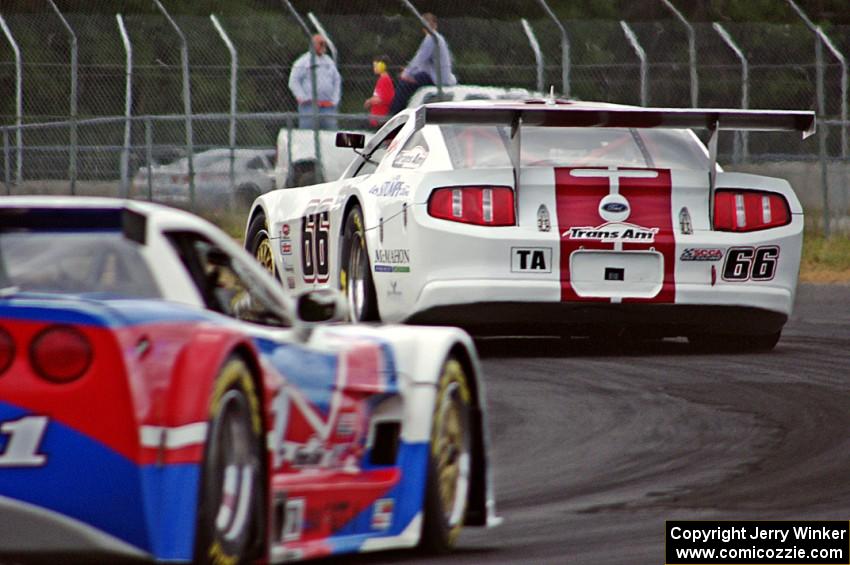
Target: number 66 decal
(315,237)
(751,263)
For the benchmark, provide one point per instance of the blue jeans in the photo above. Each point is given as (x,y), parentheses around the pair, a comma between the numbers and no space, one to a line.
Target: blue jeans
(305,117)
(404,90)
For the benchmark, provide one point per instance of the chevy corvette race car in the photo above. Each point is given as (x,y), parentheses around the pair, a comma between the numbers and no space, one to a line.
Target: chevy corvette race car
(547,216)
(162,399)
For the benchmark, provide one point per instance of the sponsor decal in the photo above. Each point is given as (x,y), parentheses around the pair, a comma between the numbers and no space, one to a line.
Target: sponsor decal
(543,221)
(347,425)
(614,208)
(285,247)
(612,232)
(293,520)
(382,513)
(410,158)
(290,282)
(685,225)
(284,231)
(393,290)
(392,260)
(394,188)
(700,254)
(531,259)
(288,267)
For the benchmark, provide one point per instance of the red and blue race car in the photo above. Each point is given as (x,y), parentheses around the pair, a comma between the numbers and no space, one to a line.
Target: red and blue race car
(161,398)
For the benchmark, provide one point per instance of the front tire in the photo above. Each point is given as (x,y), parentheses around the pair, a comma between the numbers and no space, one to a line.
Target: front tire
(355,272)
(230,507)
(449,462)
(258,243)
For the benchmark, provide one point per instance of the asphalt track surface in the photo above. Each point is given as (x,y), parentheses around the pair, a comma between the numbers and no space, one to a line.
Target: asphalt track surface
(596,445)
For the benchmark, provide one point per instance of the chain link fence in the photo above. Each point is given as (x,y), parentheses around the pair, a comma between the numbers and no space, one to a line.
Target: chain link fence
(755,65)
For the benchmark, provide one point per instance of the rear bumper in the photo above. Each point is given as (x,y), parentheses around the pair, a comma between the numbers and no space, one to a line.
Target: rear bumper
(660,320)
(49,537)
(498,307)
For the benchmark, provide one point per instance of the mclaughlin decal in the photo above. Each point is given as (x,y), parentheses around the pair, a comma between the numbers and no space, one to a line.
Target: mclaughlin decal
(612,232)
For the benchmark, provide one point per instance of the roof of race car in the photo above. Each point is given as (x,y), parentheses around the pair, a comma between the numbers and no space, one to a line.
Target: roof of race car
(568,113)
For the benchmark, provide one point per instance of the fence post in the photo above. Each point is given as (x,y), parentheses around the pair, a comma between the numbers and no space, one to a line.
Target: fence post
(72,149)
(565,49)
(318,25)
(313,93)
(437,51)
(149,154)
(128,107)
(187,99)
(7,169)
(234,67)
(19,105)
(820,36)
(630,35)
(739,153)
(538,55)
(692,52)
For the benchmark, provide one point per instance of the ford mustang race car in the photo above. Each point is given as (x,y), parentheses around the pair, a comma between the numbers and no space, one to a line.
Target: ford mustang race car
(161,398)
(547,216)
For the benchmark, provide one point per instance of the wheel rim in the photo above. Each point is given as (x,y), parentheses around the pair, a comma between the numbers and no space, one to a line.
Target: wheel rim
(264,253)
(238,469)
(452,456)
(355,282)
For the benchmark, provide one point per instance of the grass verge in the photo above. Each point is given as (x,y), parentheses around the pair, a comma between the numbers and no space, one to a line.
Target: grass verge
(825,260)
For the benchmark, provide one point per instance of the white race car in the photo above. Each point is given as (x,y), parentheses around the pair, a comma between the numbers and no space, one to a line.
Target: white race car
(548,216)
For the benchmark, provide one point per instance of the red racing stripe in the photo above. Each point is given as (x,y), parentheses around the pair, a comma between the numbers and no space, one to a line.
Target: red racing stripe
(578,199)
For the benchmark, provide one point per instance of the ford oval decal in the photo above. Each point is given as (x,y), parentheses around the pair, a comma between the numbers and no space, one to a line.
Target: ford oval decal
(615,207)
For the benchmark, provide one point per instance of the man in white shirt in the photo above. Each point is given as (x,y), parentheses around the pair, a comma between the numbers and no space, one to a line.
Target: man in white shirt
(328,87)
(422,68)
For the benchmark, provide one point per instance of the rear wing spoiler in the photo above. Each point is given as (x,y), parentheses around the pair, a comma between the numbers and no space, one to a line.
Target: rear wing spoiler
(564,114)
(561,115)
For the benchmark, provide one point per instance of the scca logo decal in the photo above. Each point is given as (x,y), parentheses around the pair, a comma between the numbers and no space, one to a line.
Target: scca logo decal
(531,260)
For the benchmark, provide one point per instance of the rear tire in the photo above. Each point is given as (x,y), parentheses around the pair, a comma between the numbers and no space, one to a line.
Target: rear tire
(258,243)
(230,524)
(449,462)
(355,272)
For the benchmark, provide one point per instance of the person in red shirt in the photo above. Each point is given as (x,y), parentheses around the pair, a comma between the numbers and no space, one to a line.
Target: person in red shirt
(379,103)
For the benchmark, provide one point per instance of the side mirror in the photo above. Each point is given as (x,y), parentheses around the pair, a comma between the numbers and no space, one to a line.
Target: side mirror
(321,305)
(350,139)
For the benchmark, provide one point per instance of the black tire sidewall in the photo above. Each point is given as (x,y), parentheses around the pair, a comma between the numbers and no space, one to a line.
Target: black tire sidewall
(354,225)
(207,540)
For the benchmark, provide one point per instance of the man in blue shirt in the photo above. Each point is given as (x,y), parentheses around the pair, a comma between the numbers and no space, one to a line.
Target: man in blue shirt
(422,68)
(328,87)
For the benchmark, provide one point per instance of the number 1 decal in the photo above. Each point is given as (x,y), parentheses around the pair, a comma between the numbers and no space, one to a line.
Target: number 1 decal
(23,438)
(315,237)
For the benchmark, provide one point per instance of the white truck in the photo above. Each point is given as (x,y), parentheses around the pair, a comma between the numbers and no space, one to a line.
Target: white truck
(296,163)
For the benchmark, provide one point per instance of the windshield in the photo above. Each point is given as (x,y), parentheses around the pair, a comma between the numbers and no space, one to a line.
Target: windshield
(74,262)
(476,146)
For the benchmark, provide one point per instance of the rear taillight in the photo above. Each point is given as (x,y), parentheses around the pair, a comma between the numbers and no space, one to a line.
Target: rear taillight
(749,210)
(60,354)
(7,350)
(479,205)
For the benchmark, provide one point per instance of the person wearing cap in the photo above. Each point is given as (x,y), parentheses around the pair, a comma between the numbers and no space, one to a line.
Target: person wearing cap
(379,103)
(328,87)
(422,68)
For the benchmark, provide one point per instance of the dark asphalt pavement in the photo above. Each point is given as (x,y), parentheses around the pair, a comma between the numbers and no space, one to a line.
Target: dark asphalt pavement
(596,445)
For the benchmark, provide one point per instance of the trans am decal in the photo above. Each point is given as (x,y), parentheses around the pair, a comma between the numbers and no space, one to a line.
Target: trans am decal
(627,233)
(644,198)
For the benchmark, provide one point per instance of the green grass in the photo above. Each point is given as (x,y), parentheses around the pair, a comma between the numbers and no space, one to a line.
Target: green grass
(825,260)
